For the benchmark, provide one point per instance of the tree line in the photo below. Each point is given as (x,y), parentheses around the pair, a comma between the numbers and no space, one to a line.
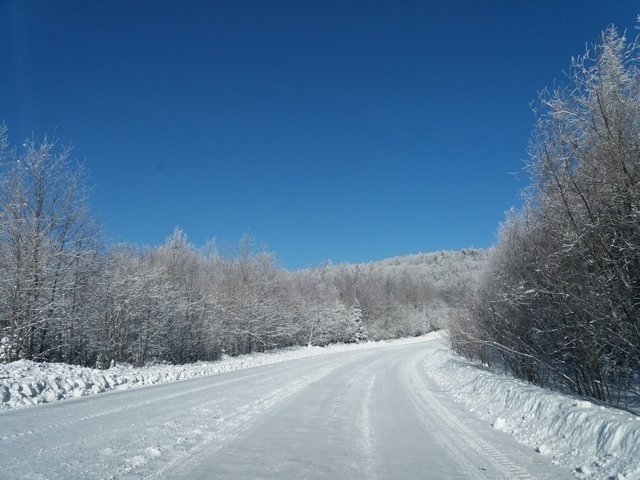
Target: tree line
(67,296)
(559,304)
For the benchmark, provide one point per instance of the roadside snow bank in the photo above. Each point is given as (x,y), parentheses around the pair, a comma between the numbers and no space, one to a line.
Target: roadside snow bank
(597,442)
(25,383)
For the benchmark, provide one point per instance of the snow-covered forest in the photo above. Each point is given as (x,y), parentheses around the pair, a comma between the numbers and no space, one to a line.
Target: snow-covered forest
(559,304)
(66,296)
(556,302)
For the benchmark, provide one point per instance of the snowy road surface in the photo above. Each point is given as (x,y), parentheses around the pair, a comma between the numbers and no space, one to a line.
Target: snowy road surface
(365,414)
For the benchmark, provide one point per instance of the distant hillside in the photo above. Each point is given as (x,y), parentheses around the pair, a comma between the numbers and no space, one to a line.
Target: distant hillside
(443,269)
(406,295)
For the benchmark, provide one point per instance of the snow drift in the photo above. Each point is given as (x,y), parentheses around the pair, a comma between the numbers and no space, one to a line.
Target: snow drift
(597,442)
(24,383)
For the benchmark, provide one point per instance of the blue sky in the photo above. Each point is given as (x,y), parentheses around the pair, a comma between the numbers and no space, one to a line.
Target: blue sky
(343,131)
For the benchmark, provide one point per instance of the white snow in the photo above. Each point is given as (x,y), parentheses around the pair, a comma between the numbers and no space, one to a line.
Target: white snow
(596,442)
(25,383)
(593,441)
(361,413)
(499,424)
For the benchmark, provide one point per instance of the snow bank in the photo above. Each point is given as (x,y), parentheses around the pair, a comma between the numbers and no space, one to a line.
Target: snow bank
(596,441)
(25,383)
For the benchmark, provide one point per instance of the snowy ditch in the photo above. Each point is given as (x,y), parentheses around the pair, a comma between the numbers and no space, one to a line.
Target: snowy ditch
(596,442)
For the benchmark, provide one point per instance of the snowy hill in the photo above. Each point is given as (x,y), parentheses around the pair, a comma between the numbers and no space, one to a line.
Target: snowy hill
(407,295)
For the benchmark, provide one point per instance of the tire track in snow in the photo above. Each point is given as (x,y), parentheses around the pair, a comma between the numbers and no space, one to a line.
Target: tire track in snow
(105,413)
(129,406)
(471,449)
(366,437)
(175,456)
(350,417)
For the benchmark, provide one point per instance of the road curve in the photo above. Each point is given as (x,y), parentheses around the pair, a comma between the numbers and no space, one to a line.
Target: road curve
(366,414)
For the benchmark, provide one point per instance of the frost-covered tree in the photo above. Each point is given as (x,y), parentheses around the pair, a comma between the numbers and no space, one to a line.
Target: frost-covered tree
(47,249)
(64,297)
(359,331)
(561,301)
(182,269)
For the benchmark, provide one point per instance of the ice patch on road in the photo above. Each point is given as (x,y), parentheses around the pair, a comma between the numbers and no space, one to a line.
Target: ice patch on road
(595,442)
(25,383)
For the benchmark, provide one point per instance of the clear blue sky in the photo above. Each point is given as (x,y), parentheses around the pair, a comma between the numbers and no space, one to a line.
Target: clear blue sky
(349,131)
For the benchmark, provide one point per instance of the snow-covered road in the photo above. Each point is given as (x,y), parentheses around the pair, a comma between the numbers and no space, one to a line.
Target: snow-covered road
(364,414)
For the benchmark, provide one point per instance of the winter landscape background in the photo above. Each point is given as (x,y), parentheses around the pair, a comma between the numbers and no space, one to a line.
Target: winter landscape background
(518,360)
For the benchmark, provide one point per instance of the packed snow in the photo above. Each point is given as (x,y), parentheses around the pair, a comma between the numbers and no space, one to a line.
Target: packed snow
(24,383)
(363,413)
(592,441)
(595,441)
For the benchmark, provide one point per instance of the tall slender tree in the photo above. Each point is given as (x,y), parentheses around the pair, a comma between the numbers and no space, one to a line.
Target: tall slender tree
(48,241)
